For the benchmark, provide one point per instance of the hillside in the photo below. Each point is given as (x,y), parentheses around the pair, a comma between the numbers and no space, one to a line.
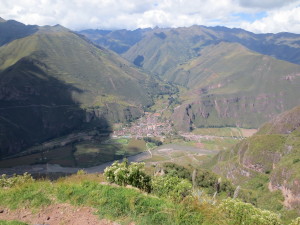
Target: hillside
(54,82)
(118,41)
(167,199)
(230,85)
(234,77)
(268,160)
(11,30)
(162,49)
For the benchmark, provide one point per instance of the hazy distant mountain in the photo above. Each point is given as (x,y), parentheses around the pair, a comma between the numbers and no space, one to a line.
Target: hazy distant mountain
(53,82)
(163,49)
(118,41)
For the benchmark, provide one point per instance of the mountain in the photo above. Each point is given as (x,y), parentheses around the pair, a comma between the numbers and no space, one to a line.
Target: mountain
(118,41)
(234,77)
(11,30)
(54,82)
(273,152)
(162,49)
(230,85)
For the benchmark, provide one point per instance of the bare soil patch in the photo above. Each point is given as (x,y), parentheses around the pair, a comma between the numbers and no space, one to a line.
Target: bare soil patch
(58,214)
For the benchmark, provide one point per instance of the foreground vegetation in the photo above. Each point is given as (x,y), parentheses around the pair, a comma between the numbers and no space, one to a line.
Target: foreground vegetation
(172,198)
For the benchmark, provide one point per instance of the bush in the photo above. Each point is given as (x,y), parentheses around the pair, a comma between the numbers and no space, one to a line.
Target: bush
(153,140)
(244,213)
(210,180)
(172,187)
(295,221)
(177,170)
(15,180)
(128,174)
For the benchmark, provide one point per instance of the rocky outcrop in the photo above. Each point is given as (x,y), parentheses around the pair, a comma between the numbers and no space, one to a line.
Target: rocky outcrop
(273,151)
(218,111)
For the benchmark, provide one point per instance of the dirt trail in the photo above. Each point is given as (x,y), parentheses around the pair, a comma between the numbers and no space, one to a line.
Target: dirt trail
(58,214)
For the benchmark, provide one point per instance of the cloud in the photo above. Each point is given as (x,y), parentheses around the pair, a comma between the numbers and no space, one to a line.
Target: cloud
(287,20)
(265,4)
(255,15)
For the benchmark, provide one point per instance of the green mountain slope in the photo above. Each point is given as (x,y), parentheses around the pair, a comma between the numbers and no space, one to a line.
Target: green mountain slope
(234,77)
(54,82)
(118,41)
(272,154)
(11,30)
(229,85)
(163,49)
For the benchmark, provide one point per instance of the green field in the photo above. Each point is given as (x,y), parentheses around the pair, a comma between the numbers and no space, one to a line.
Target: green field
(225,132)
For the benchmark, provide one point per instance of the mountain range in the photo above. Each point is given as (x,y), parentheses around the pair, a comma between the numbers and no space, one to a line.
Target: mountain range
(234,77)
(54,81)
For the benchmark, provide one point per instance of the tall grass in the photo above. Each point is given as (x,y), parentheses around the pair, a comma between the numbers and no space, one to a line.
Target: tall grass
(114,203)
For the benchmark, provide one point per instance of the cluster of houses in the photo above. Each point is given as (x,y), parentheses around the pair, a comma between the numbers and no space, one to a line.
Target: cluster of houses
(149,125)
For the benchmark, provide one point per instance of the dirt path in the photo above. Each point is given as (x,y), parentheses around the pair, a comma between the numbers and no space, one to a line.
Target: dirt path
(59,214)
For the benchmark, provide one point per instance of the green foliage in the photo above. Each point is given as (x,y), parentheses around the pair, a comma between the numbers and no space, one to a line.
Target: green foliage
(171,187)
(176,170)
(295,221)
(15,180)
(13,222)
(81,172)
(210,180)
(153,140)
(244,213)
(119,203)
(114,203)
(28,195)
(128,174)
(129,205)
(296,160)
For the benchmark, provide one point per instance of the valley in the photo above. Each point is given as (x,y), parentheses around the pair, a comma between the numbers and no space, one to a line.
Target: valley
(216,109)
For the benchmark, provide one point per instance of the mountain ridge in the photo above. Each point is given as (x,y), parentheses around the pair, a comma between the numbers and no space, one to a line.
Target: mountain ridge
(70,85)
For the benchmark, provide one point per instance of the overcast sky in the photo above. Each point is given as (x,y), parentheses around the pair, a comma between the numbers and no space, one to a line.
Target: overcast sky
(258,16)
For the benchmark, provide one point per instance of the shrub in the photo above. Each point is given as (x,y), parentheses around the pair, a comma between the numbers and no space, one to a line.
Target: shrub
(172,187)
(81,172)
(128,174)
(244,213)
(153,140)
(15,180)
(210,180)
(295,221)
(177,170)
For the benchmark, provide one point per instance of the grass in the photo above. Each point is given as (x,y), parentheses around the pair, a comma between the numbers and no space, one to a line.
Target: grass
(225,132)
(123,141)
(219,143)
(114,203)
(13,222)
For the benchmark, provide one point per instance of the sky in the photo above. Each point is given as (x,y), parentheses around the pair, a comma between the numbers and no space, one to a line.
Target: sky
(259,16)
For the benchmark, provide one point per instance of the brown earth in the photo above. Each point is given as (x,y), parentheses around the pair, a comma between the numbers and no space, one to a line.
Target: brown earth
(58,214)
(248,132)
